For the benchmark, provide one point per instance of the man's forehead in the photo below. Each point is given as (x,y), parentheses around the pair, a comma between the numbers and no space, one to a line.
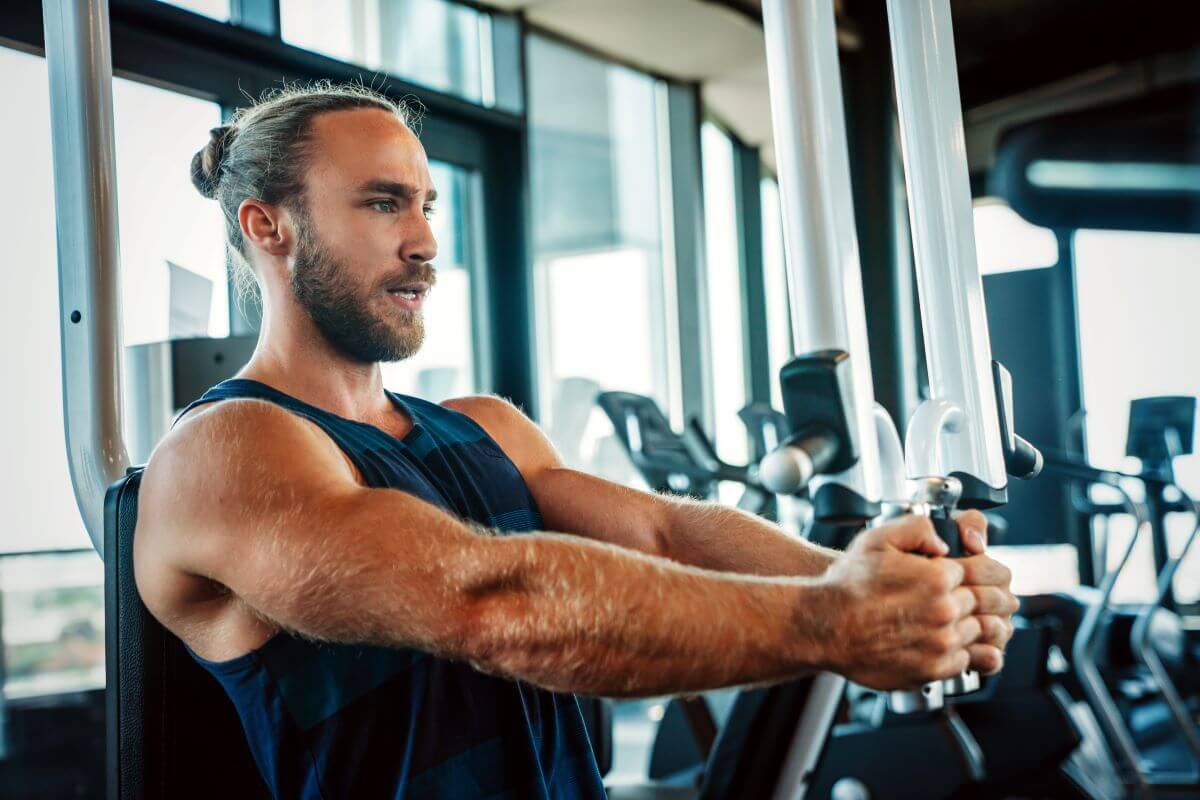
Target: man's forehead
(360,145)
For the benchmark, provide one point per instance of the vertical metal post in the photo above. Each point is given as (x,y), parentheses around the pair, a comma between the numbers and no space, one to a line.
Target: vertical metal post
(825,283)
(958,430)
(79,62)
(825,287)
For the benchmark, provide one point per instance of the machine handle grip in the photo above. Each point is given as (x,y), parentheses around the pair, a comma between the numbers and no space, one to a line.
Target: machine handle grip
(947,530)
(1023,461)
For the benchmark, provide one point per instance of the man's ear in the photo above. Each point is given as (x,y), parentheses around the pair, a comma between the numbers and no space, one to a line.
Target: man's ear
(266,227)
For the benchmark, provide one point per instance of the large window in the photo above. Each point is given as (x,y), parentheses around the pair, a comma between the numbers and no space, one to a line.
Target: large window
(1136,295)
(173,276)
(51,602)
(445,365)
(601,293)
(439,44)
(727,369)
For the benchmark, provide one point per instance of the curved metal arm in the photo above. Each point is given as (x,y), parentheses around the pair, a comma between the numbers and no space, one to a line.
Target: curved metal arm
(1083,655)
(80,67)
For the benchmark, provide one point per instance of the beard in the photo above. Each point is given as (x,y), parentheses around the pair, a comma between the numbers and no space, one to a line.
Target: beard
(342,313)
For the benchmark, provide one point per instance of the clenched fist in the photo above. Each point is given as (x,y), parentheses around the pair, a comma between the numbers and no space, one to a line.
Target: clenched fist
(901,615)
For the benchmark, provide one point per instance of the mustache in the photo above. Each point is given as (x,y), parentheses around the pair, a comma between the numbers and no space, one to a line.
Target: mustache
(422,273)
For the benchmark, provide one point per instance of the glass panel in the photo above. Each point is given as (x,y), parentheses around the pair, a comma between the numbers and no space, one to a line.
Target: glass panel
(39,504)
(173,277)
(439,44)
(217,9)
(1005,242)
(775,282)
(598,247)
(51,606)
(444,366)
(1136,295)
(724,287)
(53,623)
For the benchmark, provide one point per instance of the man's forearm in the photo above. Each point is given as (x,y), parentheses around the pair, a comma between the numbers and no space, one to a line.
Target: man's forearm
(716,537)
(578,616)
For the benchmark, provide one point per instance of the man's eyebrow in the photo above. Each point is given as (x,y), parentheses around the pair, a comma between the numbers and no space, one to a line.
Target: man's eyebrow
(406,191)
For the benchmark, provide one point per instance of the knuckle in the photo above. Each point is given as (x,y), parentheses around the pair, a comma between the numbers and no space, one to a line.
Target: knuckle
(943,611)
(944,640)
(944,575)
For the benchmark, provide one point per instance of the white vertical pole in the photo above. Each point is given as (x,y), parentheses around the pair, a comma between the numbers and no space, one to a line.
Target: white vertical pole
(85,195)
(825,282)
(959,430)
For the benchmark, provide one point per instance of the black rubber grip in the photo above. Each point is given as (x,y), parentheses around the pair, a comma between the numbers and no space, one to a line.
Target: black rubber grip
(947,531)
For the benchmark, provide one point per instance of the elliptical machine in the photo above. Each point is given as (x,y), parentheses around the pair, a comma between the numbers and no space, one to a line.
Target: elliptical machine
(1125,661)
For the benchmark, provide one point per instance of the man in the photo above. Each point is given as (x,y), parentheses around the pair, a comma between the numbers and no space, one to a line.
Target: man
(365,573)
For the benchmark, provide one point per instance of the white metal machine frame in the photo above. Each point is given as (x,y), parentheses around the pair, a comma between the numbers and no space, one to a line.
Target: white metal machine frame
(962,436)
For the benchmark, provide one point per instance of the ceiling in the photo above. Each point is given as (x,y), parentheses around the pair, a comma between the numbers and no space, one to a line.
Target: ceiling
(1005,48)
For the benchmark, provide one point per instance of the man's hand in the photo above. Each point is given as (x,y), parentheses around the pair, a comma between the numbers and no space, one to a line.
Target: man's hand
(899,617)
(989,580)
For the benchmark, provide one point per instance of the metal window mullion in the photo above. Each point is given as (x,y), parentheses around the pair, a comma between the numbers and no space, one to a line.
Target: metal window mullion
(687,225)
(747,172)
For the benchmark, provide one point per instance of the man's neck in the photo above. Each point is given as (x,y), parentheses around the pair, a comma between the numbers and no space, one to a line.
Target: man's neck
(298,360)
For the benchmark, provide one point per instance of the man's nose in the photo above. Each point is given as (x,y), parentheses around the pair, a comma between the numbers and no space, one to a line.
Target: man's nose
(420,247)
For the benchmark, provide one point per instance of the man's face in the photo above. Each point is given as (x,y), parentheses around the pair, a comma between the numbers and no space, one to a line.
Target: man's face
(361,265)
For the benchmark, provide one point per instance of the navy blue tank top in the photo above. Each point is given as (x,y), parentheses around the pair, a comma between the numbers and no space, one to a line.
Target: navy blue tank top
(355,721)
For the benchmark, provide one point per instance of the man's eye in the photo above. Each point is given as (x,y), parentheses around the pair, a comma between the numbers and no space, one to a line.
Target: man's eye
(386,206)
(429,211)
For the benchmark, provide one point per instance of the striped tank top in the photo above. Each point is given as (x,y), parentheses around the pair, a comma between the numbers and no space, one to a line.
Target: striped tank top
(354,721)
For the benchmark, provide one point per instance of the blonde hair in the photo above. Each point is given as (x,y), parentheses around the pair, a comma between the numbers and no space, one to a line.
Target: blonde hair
(262,153)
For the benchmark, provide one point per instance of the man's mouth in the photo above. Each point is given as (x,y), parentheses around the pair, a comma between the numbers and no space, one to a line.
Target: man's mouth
(409,295)
(409,291)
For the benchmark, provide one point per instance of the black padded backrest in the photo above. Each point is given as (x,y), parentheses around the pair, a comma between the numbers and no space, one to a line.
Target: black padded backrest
(172,731)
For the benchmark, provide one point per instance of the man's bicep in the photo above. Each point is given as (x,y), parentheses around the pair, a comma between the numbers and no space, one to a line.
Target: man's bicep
(305,546)
(570,501)
(575,502)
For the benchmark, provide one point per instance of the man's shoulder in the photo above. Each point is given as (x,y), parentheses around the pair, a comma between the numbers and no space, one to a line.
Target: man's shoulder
(222,443)
(517,435)
(487,408)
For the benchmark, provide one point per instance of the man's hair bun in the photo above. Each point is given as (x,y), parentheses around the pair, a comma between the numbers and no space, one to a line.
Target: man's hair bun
(207,164)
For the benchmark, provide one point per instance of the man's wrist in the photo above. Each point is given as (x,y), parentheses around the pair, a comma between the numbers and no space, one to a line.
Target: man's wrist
(812,639)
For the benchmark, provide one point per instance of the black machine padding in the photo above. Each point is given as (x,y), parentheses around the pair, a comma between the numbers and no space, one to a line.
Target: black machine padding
(172,731)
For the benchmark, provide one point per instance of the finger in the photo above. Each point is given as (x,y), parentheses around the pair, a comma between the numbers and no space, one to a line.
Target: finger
(972,525)
(912,535)
(966,600)
(952,665)
(945,574)
(994,600)
(969,631)
(996,631)
(984,570)
(987,659)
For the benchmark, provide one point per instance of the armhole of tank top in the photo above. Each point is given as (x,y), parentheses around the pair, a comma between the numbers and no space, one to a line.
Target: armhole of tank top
(359,477)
